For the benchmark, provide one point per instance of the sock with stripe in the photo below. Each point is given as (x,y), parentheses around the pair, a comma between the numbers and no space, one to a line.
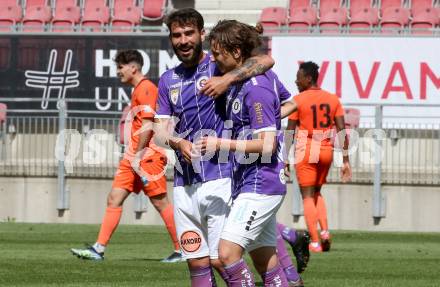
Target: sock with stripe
(275,277)
(240,275)
(202,277)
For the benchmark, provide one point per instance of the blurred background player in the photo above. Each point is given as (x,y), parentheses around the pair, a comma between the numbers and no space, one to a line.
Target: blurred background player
(143,164)
(318,112)
(254,111)
(202,189)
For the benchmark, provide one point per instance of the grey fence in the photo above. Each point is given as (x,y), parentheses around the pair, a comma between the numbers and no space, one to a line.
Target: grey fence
(385,149)
(408,146)
(28,142)
(410,152)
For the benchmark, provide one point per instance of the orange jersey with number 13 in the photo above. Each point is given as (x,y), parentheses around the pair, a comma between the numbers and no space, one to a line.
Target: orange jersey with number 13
(316,112)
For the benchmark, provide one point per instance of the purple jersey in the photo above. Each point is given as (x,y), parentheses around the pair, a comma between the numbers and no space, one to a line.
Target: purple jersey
(254,106)
(179,97)
(281,91)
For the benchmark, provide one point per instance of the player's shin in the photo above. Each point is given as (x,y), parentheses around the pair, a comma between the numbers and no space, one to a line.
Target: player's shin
(274,277)
(109,224)
(167,215)
(285,260)
(287,233)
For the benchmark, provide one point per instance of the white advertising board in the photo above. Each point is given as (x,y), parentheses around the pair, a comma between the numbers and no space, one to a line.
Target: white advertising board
(404,71)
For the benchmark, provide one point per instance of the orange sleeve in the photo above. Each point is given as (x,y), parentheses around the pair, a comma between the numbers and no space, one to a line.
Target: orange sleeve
(294,116)
(147,98)
(339,109)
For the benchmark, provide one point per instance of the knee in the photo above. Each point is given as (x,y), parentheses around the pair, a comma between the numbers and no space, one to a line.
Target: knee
(217,264)
(159,202)
(115,199)
(111,200)
(228,256)
(196,263)
(224,256)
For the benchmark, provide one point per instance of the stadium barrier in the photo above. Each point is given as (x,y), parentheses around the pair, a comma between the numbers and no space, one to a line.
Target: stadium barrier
(38,69)
(29,137)
(85,144)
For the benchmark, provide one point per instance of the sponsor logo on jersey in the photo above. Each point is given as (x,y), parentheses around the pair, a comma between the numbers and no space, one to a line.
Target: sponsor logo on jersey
(174,95)
(175,76)
(202,67)
(258,107)
(189,82)
(190,241)
(176,85)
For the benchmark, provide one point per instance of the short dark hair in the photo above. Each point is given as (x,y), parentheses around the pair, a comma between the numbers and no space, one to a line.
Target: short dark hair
(310,69)
(127,56)
(231,35)
(184,17)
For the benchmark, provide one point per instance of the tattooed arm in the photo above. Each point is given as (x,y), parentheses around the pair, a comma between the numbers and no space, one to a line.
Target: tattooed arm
(253,66)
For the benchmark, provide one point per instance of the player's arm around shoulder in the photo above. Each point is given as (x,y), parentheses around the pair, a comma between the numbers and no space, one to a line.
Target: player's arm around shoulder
(256,65)
(287,108)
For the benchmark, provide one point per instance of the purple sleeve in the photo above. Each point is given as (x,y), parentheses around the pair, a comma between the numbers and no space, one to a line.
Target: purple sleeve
(164,108)
(283,93)
(260,103)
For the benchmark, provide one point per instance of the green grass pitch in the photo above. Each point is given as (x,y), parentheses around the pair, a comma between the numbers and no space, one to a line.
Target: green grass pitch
(38,255)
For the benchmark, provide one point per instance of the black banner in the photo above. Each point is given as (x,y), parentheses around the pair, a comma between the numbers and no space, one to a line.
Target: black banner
(74,67)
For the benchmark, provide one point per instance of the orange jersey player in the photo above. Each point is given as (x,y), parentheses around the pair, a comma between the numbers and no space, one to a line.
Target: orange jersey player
(143,164)
(318,112)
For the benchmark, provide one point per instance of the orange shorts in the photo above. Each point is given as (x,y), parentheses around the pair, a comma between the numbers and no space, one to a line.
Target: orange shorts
(153,184)
(312,168)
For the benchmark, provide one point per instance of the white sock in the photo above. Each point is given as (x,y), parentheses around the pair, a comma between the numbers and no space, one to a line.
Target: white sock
(315,244)
(99,247)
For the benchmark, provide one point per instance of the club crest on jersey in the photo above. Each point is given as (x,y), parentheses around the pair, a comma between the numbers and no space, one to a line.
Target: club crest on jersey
(174,95)
(201,82)
(282,176)
(236,106)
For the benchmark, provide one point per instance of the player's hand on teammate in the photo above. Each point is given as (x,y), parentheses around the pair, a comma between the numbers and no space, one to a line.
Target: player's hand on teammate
(215,87)
(207,144)
(346,172)
(287,170)
(186,149)
(136,164)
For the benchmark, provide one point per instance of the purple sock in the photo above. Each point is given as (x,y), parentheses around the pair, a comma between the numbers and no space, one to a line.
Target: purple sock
(291,273)
(201,277)
(225,277)
(285,260)
(239,274)
(288,234)
(275,277)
